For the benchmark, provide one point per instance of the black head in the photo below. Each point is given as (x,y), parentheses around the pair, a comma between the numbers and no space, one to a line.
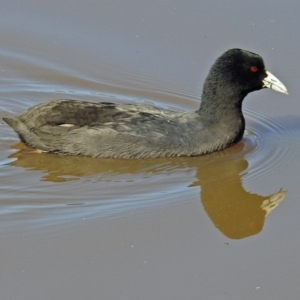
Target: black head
(235,73)
(241,69)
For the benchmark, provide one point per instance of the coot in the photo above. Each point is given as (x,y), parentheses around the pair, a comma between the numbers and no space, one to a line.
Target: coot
(142,131)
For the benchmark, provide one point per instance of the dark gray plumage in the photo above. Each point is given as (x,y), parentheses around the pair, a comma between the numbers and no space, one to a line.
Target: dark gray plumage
(140,131)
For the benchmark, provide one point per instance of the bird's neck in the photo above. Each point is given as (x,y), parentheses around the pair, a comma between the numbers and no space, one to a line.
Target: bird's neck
(221,102)
(221,108)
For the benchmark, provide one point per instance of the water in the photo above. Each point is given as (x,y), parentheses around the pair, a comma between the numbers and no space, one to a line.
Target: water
(223,226)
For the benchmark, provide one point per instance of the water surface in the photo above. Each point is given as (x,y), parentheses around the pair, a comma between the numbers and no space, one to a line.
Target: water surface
(220,226)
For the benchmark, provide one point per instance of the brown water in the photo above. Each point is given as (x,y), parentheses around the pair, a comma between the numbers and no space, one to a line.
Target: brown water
(220,226)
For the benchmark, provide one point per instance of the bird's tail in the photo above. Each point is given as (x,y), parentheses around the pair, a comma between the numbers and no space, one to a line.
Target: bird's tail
(26,135)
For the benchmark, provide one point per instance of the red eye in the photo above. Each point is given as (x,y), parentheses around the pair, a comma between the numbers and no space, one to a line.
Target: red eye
(254,69)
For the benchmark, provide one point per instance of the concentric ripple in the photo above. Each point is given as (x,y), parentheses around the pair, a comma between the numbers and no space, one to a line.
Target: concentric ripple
(277,142)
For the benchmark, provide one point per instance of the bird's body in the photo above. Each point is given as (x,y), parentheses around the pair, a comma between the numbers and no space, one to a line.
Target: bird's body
(140,131)
(119,130)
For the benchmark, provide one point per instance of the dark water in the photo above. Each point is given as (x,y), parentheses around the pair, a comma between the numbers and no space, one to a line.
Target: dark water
(220,226)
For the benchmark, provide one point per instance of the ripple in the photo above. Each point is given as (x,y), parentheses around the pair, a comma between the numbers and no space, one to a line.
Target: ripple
(277,142)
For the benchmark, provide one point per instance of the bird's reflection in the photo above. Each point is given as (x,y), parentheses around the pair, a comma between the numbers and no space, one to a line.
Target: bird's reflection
(237,213)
